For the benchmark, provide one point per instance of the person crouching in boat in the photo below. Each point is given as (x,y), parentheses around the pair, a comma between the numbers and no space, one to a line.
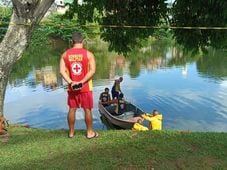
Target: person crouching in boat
(138,126)
(104,97)
(155,120)
(120,104)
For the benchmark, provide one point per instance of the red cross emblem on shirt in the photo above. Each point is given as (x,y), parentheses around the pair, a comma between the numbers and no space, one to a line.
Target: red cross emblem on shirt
(76,68)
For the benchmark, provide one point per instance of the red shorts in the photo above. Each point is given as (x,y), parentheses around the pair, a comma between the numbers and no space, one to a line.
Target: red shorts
(77,100)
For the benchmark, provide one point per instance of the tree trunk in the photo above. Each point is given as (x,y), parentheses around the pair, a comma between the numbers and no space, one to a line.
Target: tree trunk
(26,15)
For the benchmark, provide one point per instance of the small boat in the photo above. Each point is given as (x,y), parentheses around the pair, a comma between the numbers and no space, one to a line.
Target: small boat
(123,121)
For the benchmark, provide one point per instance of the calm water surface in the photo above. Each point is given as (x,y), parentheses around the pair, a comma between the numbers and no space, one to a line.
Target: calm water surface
(190,91)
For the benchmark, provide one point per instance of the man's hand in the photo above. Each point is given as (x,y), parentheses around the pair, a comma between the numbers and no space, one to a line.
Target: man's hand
(76,85)
(143,115)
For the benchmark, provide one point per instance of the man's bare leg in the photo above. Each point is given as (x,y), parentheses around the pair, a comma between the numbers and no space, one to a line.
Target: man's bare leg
(89,123)
(71,121)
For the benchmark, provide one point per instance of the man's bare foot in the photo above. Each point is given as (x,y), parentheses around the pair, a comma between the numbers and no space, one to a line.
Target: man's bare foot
(71,134)
(94,135)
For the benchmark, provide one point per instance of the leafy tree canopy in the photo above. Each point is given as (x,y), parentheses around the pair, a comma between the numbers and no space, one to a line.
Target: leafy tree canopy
(200,13)
(111,13)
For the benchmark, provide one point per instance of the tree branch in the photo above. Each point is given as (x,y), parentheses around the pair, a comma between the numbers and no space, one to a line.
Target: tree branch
(31,10)
(42,8)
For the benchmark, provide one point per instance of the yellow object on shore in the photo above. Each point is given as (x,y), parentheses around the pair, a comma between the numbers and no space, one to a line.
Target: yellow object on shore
(139,127)
(155,121)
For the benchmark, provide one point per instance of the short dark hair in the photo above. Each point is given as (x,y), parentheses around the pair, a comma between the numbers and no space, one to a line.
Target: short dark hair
(106,89)
(155,112)
(77,37)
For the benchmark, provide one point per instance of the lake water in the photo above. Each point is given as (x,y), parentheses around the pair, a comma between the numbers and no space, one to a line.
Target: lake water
(189,90)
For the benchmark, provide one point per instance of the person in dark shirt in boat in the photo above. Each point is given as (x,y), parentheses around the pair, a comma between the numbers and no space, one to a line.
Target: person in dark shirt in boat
(105,98)
(116,89)
(120,104)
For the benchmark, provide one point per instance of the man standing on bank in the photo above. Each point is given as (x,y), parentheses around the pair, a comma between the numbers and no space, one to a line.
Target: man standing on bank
(77,66)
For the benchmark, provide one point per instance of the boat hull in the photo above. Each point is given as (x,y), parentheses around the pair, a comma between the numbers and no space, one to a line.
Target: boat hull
(124,121)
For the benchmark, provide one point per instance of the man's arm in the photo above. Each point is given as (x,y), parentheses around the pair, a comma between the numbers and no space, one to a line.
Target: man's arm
(100,97)
(63,70)
(112,101)
(119,84)
(109,97)
(147,117)
(92,68)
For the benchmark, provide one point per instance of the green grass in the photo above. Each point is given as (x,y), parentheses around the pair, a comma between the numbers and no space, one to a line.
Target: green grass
(30,148)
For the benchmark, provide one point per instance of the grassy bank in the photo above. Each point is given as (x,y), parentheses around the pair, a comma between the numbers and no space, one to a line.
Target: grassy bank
(30,148)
